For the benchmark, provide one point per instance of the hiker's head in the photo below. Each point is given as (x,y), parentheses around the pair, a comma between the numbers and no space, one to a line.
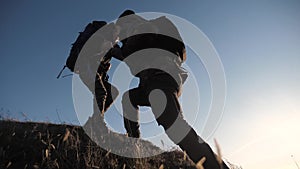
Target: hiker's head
(127,21)
(126,13)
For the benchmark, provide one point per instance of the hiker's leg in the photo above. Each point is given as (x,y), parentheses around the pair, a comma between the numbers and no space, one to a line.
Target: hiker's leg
(100,95)
(96,121)
(98,117)
(95,126)
(130,102)
(112,93)
(179,131)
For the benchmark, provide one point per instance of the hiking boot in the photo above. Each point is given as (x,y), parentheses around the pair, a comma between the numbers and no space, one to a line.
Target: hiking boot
(95,126)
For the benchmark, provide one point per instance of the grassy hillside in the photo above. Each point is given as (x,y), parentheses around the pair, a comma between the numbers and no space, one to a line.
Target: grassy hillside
(43,145)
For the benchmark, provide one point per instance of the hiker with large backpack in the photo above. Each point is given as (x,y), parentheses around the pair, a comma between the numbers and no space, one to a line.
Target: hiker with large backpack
(154,52)
(92,64)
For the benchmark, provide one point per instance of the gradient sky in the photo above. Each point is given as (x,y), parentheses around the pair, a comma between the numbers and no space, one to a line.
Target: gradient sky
(258,43)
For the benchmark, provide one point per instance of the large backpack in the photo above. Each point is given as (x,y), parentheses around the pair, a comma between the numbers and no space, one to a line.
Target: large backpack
(83,37)
(169,33)
(161,33)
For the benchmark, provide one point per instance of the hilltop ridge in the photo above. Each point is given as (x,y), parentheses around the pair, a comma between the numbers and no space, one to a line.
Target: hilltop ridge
(46,145)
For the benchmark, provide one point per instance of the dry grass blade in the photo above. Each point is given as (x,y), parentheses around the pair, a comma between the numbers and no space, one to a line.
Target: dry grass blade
(219,154)
(9,164)
(67,134)
(47,153)
(108,152)
(52,146)
(184,155)
(200,163)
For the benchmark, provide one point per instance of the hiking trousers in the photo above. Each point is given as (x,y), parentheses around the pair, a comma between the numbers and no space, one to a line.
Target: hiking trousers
(104,95)
(161,93)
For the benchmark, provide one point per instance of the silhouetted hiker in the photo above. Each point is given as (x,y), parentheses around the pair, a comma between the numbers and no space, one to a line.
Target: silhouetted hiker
(154,52)
(92,67)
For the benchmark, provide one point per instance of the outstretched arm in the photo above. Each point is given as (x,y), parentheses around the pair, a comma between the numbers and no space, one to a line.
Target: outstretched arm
(113,52)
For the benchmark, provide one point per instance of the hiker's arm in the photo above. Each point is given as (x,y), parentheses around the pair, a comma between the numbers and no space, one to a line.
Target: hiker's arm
(116,52)
(113,52)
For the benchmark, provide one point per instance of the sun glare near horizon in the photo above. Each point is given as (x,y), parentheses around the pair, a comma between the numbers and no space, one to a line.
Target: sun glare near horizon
(273,135)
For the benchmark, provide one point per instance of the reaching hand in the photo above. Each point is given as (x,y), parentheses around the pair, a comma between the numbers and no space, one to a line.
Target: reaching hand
(116,52)
(104,67)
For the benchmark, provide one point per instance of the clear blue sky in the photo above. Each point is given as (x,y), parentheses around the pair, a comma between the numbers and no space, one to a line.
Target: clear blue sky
(257,41)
